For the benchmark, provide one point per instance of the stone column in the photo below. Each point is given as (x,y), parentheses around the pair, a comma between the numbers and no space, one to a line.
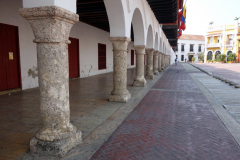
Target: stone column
(166,61)
(139,78)
(149,69)
(169,60)
(159,62)
(120,92)
(51,26)
(155,62)
(163,61)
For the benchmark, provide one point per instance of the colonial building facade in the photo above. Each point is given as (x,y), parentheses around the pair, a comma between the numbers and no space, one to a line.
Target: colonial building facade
(222,40)
(44,43)
(189,46)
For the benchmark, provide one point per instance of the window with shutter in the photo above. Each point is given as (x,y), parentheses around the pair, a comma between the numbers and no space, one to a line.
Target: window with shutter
(132,57)
(102,56)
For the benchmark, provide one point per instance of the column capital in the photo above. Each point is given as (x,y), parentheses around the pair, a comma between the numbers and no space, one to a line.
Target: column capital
(50,24)
(140,49)
(155,52)
(149,50)
(120,43)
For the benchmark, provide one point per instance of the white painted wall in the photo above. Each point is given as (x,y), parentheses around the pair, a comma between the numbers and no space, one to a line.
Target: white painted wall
(67,4)
(9,14)
(88,36)
(187,48)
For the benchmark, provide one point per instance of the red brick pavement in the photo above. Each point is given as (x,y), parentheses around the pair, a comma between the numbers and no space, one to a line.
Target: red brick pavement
(226,70)
(171,125)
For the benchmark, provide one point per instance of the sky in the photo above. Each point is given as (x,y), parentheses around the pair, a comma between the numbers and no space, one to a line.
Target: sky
(201,12)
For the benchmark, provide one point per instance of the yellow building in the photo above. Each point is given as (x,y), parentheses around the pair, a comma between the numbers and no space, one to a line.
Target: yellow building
(223,39)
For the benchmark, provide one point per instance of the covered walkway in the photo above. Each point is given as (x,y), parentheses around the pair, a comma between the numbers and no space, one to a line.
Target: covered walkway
(20,117)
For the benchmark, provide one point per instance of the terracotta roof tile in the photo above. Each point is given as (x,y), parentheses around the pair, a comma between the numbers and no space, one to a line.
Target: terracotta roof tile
(192,37)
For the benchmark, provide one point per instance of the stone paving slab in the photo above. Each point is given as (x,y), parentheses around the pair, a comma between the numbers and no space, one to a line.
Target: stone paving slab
(230,72)
(171,125)
(89,107)
(226,94)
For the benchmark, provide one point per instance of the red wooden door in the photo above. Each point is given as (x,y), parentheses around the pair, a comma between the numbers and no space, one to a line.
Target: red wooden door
(238,56)
(73,57)
(9,57)
(132,57)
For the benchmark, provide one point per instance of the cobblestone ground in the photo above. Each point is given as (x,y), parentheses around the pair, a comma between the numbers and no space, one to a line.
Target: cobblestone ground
(226,70)
(173,121)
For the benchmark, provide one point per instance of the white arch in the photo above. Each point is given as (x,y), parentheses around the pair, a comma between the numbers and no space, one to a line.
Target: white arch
(160,44)
(123,13)
(138,28)
(150,37)
(116,17)
(156,46)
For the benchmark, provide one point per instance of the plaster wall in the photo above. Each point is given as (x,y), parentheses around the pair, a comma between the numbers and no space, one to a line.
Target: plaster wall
(9,14)
(88,36)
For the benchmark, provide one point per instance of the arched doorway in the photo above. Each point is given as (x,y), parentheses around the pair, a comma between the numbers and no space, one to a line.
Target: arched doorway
(216,54)
(228,54)
(209,55)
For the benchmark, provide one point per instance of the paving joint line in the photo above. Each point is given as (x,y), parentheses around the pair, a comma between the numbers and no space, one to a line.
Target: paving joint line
(170,90)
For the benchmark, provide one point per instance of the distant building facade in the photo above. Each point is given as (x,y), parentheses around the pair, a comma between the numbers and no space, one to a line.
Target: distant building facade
(189,46)
(223,39)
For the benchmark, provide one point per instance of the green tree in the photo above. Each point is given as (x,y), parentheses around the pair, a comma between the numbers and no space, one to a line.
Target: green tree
(232,57)
(201,56)
(211,23)
(237,18)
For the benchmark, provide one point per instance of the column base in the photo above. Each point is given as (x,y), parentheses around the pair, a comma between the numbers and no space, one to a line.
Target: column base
(120,98)
(139,83)
(55,148)
(159,70)
(156,73)
(237,85)
(149,77)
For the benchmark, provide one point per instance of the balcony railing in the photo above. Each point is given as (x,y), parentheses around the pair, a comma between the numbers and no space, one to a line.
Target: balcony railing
(229,44)
(211,45)
(191,50)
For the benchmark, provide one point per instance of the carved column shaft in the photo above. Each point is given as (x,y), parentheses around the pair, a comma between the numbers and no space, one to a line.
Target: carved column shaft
(159,62)
(149,69)
(120,92)
(166,61)
(169,60)
(51,26)
(163,59)
(155,62)
(139,78)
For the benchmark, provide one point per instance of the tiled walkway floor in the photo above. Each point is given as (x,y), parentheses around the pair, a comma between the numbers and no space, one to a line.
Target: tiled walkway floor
(226,70)
(173,121)
(20,115)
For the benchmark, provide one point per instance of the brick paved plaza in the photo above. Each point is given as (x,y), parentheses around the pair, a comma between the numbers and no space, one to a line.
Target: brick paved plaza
(173,121)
